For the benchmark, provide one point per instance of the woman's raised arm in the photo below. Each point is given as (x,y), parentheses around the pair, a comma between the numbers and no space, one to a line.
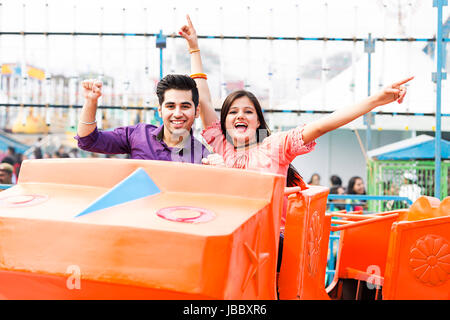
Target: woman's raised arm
(207,112)
(339,118)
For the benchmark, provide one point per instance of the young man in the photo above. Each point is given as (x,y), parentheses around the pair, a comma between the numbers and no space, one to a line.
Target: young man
(173,141)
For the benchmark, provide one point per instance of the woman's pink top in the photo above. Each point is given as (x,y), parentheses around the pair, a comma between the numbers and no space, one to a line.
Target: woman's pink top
(273,154)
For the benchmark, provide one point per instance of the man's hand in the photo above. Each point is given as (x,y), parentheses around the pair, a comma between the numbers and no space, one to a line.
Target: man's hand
(214,159)
(188,33)
(394,92)
(92,89)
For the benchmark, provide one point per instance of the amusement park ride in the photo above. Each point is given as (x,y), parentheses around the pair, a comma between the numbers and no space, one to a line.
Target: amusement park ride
(70,229)
(140,229)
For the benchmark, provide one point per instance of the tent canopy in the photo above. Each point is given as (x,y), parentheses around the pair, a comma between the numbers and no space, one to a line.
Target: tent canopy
(6,141)
(420,147)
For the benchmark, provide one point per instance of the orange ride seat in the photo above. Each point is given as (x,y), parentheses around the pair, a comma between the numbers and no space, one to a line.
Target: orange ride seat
(362,252)
(305,247)
(139,229)
(418,263)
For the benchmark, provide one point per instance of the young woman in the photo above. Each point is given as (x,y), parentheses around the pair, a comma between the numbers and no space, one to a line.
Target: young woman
(242,136)
(315,180)
(356,187)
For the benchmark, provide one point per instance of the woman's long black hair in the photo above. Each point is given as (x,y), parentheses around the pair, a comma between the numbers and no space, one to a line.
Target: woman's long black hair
(293,177)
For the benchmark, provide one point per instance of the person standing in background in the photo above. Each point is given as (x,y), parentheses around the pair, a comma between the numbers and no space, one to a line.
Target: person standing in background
(315,180)
(356,187)
(335,181)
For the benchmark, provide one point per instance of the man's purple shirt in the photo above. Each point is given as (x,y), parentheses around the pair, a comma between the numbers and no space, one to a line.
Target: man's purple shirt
(142,141)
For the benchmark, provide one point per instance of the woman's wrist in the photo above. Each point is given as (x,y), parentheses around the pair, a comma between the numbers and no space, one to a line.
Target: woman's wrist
(194,50)
(373,101)
(193,45)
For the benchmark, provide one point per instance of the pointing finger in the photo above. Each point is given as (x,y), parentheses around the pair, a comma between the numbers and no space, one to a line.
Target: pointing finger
(189,21)
(399,83)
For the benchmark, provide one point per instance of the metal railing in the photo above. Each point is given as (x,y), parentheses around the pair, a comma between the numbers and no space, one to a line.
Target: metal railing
(356,200)
(353,200)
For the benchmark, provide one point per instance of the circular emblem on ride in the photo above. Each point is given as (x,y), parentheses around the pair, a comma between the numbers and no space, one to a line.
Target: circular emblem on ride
(314,238)
(24,200)
(186,214)
(429,260)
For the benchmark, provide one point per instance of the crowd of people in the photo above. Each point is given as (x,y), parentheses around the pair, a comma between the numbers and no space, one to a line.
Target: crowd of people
(355,186)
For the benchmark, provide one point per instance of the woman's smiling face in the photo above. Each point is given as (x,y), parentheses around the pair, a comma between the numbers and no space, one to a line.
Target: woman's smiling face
(359,187)
(242,121)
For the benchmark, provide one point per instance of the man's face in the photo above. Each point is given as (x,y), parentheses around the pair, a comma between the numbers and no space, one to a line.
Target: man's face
(178,111)
(5,177)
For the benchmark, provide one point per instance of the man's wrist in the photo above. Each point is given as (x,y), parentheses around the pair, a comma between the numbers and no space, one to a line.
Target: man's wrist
(91,102)
(88,122)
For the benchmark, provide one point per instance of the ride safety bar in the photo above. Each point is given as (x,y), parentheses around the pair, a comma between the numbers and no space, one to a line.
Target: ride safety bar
(363,219)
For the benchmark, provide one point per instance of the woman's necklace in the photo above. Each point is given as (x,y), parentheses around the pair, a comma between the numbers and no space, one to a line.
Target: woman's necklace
(246,146)
(241,155)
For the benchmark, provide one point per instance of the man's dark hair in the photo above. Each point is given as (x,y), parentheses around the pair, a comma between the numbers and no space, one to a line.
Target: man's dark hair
(178,82)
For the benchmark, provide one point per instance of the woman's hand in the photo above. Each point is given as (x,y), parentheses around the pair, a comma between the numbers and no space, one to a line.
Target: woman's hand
(188,33)
(214,159)
(394,92)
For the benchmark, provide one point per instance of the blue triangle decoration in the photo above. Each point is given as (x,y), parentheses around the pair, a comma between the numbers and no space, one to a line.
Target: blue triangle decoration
(137,185)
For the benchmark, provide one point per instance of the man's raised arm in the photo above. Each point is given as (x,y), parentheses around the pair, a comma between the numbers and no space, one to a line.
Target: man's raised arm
(92,90)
